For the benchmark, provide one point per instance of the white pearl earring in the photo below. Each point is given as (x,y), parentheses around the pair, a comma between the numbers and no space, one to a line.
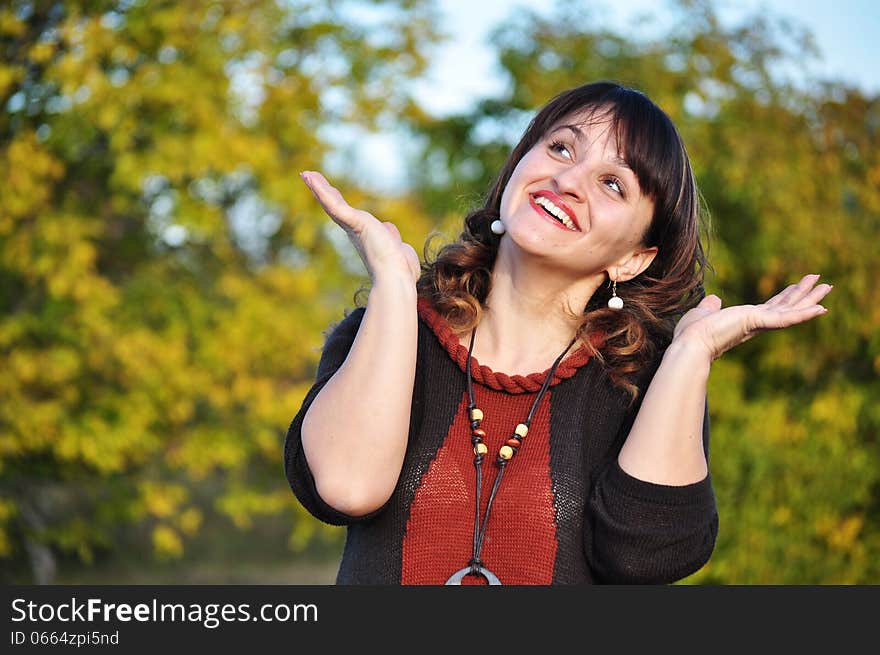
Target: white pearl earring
(615,301)
(497,226)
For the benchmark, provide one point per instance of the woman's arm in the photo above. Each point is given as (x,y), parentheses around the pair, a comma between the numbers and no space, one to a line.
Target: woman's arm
(653,517)
(354,434)
(665,445)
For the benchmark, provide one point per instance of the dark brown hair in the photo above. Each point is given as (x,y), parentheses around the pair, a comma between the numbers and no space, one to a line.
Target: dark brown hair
(458,278)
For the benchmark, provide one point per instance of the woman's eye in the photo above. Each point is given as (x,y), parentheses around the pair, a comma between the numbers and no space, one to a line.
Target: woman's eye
(614,184)
(560,148)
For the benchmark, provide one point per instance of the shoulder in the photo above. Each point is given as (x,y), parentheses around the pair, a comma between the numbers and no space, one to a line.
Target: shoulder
(637,379)
(339,338)
(346,327)
(642,378)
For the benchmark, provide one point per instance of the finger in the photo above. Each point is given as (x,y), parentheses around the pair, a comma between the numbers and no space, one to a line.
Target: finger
(789,317)
(331,199)
(711,302)
(392,228)
(782,296)
(415,265)
(814,297)
(802,289)
(793,292)
(329,196)
(708,305)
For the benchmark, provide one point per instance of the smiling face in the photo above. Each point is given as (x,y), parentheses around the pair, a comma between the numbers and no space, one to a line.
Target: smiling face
(573,199)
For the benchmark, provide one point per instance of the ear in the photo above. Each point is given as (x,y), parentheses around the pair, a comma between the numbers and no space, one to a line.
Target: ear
(633,264)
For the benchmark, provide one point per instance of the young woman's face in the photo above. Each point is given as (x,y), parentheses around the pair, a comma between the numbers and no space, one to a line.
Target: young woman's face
(573,200)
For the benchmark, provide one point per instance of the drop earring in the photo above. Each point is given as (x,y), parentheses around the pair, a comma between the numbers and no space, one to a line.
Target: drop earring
(615,301)
(497,226)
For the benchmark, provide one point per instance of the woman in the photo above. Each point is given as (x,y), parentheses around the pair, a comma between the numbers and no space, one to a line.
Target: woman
(530,407)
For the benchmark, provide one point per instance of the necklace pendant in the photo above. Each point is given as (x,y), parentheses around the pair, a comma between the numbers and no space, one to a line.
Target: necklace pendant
(456,578)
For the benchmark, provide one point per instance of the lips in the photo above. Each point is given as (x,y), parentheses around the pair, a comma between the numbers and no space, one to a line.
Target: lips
(559,202)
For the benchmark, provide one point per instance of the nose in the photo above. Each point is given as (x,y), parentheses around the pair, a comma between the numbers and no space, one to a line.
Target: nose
(570,182)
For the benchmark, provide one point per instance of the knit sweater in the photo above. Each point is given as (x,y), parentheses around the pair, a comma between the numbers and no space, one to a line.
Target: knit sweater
(565,513)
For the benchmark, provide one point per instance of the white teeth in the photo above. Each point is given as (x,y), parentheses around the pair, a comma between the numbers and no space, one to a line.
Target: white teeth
(547,204)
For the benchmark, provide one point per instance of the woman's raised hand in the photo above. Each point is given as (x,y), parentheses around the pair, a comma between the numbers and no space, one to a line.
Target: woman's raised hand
(378,243)
(719,330)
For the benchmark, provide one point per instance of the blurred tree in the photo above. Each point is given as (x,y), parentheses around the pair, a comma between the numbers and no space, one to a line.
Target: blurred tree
(165,278)
(789,169)
(164,275)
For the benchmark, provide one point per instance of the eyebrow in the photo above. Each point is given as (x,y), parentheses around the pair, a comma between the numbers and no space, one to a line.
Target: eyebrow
(580,136)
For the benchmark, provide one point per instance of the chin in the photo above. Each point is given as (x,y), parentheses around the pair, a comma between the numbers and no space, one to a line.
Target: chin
(531,243)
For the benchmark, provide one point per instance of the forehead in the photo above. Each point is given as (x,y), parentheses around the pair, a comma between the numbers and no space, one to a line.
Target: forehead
(593,126)
(594,131)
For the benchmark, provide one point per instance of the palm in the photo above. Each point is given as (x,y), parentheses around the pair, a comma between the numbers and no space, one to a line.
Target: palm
(719,330)
(378,243)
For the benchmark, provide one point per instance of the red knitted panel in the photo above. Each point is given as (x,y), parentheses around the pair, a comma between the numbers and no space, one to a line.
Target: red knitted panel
(520,543)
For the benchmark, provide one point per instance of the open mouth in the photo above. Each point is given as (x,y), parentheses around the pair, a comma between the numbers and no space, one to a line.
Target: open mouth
(551,209)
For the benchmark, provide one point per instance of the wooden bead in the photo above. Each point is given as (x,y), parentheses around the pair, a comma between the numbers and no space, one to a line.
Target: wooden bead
(514,443)
(522,429)
(479,432)
(476,414)
(480,449)
(506,452)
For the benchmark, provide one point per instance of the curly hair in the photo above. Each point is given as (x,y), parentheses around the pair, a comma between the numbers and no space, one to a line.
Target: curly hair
(458,278)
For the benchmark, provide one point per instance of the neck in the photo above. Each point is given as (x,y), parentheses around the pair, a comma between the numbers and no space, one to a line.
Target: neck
(531,314)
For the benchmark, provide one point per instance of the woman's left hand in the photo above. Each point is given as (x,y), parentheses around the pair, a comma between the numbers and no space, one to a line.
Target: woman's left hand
(718,330)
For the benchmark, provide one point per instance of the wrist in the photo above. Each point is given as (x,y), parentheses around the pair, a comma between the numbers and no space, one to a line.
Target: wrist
(689,351)
(393,283)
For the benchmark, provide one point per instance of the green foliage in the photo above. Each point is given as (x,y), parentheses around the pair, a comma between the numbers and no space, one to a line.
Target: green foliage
(164,275)
(165,278)
(791,176)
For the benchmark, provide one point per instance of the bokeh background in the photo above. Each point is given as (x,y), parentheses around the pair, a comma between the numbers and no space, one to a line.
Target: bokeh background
(166,279)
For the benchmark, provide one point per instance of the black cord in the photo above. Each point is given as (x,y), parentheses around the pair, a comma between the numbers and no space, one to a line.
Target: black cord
(480,531)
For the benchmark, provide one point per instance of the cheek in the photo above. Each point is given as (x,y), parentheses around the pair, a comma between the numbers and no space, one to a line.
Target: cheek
(628,224)
(529,169)
(632,236)
(513,184)
(620,229)
(505,200)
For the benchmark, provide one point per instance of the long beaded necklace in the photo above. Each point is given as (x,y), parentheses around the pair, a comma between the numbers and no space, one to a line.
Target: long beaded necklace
(505,454)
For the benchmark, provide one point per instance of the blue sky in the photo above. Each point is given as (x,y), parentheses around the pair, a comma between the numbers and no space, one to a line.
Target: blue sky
(847,33)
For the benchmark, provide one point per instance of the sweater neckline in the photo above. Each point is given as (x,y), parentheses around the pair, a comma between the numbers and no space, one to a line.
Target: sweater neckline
(484,375)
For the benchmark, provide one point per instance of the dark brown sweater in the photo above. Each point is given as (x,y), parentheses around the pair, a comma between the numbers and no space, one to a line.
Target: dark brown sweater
(565,513)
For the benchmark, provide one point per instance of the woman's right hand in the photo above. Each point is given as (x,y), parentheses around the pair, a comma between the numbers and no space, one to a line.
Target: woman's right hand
(378,243)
